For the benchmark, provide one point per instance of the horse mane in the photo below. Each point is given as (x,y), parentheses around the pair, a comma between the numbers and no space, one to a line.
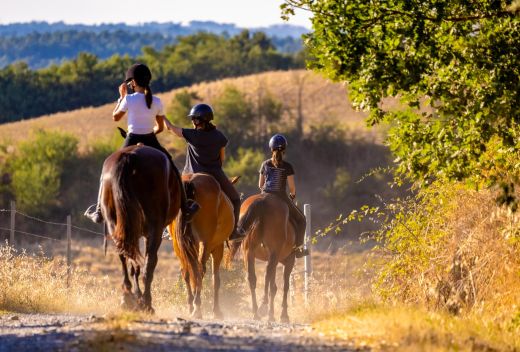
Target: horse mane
(188,253)
(129,213)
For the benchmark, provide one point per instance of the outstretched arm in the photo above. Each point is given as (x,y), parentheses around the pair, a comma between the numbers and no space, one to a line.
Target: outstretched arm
(173,129)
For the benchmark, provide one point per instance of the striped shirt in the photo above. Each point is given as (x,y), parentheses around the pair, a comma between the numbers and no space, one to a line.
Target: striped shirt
(275,177)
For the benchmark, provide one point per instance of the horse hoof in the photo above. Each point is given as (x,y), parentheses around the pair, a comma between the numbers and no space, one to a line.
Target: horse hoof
(271,319)
(256,317)
(262,311)
(284,319)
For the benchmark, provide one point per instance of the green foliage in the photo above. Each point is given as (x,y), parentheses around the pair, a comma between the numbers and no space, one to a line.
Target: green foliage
(180,107)
(245,164)
(455,64)
(234,114)
(337,190)
(89,81)
(36,169)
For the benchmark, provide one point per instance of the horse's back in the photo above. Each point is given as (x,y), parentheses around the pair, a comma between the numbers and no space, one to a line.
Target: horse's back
(149,177)
(276,233)
(213,222)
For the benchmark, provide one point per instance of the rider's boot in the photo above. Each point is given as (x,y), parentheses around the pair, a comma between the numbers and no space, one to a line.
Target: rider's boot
(238,234)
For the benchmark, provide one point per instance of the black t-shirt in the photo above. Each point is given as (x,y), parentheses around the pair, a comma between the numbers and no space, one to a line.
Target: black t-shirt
(275,177)
(203,154)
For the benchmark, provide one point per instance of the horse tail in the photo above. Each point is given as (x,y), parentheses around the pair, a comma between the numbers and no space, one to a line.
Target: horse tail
(251,220)
(188,246)
(129,213)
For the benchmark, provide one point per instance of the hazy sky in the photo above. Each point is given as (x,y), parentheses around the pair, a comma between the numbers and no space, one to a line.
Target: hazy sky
(244,13)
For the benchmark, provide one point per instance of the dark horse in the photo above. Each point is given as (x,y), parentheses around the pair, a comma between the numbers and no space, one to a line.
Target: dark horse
(270,236)
(140,197)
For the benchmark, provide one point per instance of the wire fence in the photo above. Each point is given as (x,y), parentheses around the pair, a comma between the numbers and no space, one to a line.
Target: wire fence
(17,234)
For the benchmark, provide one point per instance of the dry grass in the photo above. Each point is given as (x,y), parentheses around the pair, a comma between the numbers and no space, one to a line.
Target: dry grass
(405,328)
(321,100)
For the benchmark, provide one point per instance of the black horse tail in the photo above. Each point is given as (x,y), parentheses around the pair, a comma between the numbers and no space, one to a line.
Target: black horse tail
(251,220)
(188,246)
(129,213)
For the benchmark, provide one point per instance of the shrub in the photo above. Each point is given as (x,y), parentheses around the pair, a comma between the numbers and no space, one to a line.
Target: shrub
(36,169)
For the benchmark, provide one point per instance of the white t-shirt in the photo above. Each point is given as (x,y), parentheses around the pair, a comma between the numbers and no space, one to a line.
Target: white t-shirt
(141,120)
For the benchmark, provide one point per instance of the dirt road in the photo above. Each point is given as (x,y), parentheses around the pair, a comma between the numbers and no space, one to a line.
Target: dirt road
(59,332)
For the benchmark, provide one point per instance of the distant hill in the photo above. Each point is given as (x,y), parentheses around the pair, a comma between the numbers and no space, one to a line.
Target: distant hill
(41,43)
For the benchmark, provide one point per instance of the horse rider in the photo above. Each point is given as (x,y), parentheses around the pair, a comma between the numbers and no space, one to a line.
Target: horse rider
(275,175)
(145,120)
(206,152)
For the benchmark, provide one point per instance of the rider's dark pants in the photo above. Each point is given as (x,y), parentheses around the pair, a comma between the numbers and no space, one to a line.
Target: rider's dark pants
(228,188)
(295,215)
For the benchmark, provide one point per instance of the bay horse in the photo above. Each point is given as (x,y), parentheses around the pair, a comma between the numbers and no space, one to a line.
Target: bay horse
(270,237)
(205,235)
(140,197)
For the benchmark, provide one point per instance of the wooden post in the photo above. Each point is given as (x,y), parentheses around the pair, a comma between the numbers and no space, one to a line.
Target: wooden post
(307,245)
(69,254)
(13,215)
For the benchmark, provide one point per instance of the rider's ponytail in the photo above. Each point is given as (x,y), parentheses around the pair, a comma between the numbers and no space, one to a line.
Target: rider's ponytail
(148,96)
(277,157)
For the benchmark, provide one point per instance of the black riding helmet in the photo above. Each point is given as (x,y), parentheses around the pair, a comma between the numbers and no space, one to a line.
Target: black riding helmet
(140,73)
(278,142)
(202,112)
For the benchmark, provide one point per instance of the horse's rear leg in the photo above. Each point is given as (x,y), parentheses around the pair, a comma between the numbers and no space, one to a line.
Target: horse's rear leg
(251,277)
(186,276)
(270,275)
(288,267)
(128,300)
(201,270)
(217,255)
(135,271)
(152,246)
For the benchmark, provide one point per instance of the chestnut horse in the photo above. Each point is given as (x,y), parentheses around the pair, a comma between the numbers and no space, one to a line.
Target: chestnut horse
(205,235)
(270,236)
(140,197)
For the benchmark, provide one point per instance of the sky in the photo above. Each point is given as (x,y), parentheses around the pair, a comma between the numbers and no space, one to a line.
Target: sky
(243,13)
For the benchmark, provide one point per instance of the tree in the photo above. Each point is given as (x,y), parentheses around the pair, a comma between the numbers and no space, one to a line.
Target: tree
(455,64)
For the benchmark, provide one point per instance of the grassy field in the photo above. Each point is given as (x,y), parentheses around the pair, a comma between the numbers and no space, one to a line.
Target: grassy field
(321,100)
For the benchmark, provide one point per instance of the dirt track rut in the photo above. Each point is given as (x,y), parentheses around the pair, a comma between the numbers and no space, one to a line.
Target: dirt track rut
(60,332)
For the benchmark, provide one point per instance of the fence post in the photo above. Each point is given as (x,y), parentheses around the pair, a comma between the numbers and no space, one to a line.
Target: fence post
(69,255)
(307,243)
(13,215)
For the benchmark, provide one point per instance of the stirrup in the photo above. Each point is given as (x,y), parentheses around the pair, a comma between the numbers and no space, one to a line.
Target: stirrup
(191,208)
(93,212)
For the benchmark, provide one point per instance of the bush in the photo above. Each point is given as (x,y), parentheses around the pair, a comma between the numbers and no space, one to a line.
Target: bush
(246,164)
(36,169)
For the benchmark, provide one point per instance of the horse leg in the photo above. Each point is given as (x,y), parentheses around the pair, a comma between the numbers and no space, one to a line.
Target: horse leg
(272,290)
(217,256)
(135,271)
(271,267)
(251,277)
(186,277)
(288,267)
(203,258)
(152,246)
(128,300)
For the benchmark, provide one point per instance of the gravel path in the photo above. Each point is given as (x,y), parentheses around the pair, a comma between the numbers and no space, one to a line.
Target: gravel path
(61,332)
